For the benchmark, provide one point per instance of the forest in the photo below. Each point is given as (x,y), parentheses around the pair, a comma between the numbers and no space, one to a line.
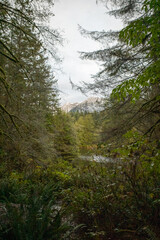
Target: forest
(48,190)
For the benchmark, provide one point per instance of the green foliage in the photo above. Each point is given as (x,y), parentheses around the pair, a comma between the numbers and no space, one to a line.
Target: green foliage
(87,133)
(43,181)
(130,58)
(65,138)
(29,209)
(124,193)
(27,85)
(140,32)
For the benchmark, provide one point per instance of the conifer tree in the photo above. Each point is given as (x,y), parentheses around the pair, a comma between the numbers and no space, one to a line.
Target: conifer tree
(65,136)
(28,87)
(86,131)
(130,58)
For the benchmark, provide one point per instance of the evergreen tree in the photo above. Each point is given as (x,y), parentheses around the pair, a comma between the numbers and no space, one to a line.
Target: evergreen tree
(28,89)
(86,131)
(65,137)
(131,58)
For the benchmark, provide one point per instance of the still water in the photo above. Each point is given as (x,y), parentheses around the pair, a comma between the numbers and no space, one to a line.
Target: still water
(97,158)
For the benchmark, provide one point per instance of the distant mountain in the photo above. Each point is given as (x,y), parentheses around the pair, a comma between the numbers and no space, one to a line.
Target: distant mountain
(90,105)
(69,106)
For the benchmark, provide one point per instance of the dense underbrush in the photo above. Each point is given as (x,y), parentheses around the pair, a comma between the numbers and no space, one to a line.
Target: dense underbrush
(81,199)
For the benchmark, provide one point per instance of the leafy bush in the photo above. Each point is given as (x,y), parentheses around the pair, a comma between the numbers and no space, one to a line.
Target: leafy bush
(32,214)
(118,199)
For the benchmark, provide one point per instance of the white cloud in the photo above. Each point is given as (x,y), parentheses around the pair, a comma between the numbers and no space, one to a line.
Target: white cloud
(68,14)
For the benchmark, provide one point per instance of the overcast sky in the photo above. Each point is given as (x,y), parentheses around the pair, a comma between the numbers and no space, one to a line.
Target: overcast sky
(91,16)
